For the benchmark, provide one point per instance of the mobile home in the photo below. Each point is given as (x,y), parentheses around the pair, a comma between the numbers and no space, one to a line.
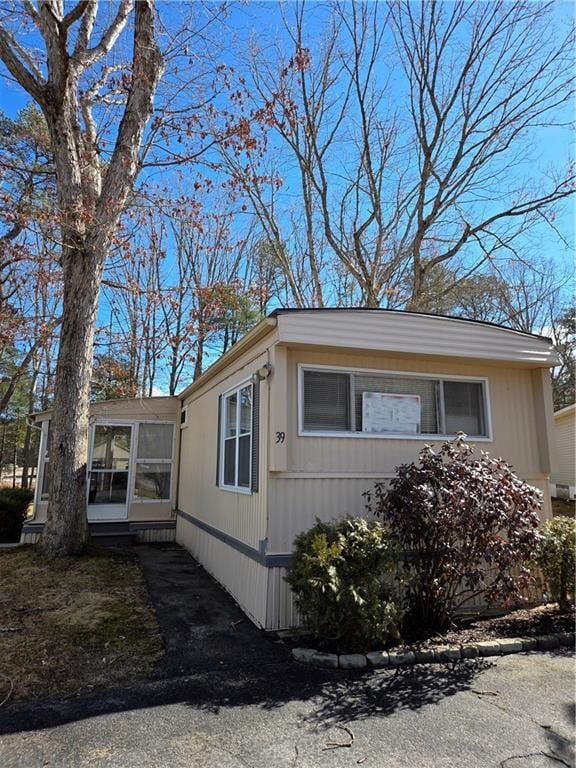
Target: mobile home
(310,408)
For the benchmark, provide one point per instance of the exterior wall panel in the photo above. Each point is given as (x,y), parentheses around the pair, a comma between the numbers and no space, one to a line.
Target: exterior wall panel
(241,515)
(564,472)
(242,577)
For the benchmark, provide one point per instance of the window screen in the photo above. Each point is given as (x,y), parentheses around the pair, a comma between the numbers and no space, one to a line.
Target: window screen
(154,461)
(326,401)
(464,407)
(155,441)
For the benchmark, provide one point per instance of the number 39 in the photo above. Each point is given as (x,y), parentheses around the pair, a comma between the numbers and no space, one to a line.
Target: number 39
(280,437)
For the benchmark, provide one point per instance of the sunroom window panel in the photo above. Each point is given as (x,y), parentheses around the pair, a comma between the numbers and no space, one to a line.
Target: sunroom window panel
(44,494)
(326,401)
(153,480)
(108,488)
(155,441)
(426,389)
(464,408)
(111,447)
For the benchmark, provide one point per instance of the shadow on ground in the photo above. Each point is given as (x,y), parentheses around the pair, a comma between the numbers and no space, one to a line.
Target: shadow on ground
(215,658)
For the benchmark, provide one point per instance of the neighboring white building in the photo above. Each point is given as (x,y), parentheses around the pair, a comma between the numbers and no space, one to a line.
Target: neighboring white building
(563,477)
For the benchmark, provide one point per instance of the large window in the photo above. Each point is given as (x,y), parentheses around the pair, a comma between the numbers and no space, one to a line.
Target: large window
(154,462)
(383,403)
(236,438)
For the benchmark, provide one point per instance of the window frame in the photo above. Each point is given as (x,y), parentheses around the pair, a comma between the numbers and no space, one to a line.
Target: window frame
(236,389)
(44,459)
(426,436)
(142,499)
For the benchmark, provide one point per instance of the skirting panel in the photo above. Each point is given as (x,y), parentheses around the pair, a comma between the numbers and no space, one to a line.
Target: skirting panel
(281,612)
(241,576)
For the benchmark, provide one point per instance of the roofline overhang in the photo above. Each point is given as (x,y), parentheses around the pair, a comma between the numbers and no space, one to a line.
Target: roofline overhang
(264,327)
(467,320)
(34,416)
(566,410)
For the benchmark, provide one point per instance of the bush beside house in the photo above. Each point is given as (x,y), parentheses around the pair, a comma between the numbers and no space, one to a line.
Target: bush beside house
(14,504)
(469,528)
(466,527)
(341,579)
(557,559)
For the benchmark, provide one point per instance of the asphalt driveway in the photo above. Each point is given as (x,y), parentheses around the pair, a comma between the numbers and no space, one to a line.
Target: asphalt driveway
(228,697)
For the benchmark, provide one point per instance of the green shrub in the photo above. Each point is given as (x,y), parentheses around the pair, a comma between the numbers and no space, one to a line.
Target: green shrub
(341,576)
(557,558)
(13,505)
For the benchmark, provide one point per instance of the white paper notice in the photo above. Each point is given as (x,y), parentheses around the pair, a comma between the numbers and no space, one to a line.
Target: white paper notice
(387,412)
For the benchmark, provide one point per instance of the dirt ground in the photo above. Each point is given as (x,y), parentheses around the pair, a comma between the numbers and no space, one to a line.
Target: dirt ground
(84,624)
(527,622)
(563,507)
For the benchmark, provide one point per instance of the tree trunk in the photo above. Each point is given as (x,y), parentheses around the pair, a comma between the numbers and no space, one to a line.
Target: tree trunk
(66,529)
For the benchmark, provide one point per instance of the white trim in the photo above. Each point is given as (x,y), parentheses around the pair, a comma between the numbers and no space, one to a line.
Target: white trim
(137,499)
(222,427)
(423,436)
(106,512)
(41,464)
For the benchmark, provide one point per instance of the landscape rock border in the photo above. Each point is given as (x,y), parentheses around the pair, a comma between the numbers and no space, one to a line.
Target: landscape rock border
(437,654)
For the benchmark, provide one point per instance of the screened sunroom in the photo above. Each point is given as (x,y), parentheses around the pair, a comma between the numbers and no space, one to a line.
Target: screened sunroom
(131,468)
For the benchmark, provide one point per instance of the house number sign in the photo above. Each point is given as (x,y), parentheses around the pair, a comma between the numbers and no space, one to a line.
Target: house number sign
(280,437)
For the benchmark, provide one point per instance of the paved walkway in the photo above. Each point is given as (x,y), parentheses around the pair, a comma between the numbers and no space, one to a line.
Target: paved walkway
(242,704)
(202,628)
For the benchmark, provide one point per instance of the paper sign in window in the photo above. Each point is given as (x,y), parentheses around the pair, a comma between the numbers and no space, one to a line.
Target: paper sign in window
(388,412)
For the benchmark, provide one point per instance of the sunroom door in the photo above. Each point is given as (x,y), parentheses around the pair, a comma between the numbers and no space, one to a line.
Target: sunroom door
(109,476)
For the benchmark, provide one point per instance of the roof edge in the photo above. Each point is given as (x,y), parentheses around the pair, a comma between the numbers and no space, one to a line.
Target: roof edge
(288,310)
(260,330)
(566,410)
(113,400)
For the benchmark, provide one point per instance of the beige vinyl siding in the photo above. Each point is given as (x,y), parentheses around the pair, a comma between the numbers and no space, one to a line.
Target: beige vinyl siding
(245,579)
(403,332)
(326,476)
(280,608)
(565,439)
(240,515)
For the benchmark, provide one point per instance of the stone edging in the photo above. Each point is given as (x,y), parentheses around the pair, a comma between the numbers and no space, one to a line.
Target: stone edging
(439,653)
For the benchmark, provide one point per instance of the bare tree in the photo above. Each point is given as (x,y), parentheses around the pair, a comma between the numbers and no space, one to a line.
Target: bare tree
(404,134)
(91,197)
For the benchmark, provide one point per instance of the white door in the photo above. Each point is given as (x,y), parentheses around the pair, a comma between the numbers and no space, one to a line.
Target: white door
(109,476)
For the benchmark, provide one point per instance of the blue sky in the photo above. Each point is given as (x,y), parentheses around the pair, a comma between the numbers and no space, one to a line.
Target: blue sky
(262,21)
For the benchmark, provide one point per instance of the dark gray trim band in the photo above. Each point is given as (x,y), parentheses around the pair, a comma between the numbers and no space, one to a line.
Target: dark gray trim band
(152,526)
(268,561)
(111,525)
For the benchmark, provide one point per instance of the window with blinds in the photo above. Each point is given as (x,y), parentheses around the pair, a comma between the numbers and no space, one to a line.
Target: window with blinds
(332,401)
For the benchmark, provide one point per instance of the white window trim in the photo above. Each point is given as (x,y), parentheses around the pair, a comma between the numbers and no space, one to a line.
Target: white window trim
(422,436)
(143,500)
(42,461)
(222,426)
